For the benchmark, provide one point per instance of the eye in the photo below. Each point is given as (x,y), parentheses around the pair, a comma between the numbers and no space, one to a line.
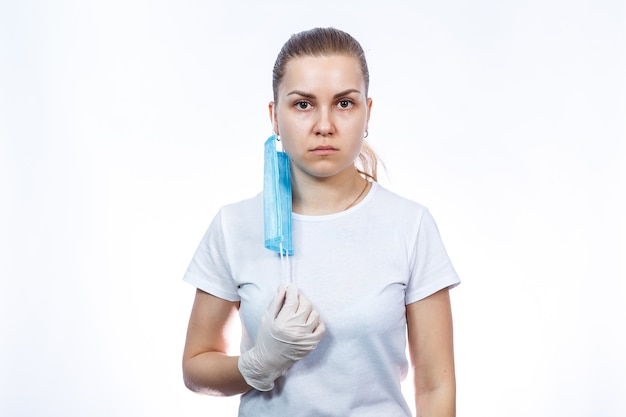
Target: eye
(345,104)
(303,105)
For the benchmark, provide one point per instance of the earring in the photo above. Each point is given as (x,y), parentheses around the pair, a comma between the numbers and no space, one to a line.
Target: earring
(277,137)
(367,133)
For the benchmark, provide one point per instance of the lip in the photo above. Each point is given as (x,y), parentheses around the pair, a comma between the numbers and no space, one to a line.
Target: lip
(324,150)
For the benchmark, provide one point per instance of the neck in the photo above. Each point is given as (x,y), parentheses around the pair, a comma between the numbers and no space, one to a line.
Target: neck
(319,196)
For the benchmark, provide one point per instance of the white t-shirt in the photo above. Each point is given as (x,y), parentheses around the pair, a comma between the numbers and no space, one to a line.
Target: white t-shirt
(359,268)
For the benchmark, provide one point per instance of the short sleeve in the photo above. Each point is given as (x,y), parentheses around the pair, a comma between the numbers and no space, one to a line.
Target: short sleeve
(431,269)
(209,268)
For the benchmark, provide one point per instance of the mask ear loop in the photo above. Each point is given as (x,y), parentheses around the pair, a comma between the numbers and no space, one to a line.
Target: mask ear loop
(285,268)
(285,262)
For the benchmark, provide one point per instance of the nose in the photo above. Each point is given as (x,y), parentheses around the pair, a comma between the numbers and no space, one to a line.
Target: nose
(324,124)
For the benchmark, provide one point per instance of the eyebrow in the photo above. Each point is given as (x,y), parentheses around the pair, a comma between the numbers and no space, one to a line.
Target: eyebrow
(312,96)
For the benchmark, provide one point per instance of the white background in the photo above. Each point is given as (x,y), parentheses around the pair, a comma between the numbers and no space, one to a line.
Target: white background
(125,125)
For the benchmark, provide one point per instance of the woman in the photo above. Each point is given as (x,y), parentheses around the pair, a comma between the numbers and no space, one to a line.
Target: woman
(369,266)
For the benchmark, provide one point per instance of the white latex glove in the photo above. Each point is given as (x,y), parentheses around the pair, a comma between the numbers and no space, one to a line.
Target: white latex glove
(288,331)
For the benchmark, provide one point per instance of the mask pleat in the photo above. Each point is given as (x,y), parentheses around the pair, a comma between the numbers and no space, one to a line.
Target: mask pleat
(277,199)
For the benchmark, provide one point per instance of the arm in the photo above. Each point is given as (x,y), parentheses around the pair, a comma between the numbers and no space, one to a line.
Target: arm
(288,331)
(206,366)
(432,355)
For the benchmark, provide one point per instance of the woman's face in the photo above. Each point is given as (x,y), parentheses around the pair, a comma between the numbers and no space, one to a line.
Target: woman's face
(322,114)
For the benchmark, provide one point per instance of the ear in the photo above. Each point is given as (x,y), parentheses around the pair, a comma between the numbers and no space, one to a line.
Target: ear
(369,111)
(273,118)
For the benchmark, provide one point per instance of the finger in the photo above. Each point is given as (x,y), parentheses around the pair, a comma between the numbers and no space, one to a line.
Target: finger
(312,321)
(304,306)
(320,329)
(277,302)
(291,303)
(313,335)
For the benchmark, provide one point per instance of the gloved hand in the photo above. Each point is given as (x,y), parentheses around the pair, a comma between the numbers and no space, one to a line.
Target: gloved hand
(288,331)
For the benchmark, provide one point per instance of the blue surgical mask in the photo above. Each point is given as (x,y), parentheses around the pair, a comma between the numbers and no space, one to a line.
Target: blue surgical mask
(277,199)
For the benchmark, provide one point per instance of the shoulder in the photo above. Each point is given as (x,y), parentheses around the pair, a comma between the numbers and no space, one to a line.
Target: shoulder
(238,218)
(394,203)
(388,211)
(243,208)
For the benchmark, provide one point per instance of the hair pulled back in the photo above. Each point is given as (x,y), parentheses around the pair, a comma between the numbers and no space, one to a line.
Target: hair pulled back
(325,42)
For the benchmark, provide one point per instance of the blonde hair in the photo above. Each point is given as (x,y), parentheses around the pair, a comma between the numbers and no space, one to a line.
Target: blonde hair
(321,42)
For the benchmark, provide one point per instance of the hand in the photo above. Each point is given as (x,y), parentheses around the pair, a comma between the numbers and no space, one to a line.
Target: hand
(289,330)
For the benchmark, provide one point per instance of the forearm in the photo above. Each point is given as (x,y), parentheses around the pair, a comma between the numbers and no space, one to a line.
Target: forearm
(437,402)
(214,373)
(432,355)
